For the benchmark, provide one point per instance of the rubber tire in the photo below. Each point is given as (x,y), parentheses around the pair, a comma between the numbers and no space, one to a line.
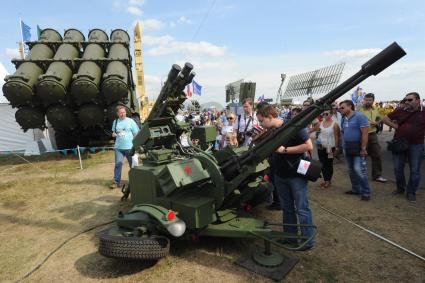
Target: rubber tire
(149,248)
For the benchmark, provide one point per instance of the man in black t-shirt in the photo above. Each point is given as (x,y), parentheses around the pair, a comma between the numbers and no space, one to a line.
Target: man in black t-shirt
(291,186)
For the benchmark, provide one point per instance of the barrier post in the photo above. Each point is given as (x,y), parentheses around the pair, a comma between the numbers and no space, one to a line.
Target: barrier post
(79,157)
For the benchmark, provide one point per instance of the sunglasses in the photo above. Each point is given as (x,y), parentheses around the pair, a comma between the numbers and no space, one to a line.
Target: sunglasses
(408,99)
(230,118)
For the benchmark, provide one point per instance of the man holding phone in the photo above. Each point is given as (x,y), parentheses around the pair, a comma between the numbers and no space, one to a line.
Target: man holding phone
(373,147)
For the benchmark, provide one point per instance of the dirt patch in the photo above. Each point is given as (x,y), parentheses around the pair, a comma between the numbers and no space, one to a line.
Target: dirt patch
(40,209)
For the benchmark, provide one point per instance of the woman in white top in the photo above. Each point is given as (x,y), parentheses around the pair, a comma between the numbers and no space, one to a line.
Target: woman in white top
(328,146)
(228,133)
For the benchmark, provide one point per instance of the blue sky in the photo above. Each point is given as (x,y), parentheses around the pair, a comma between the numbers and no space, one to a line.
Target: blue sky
(254,40)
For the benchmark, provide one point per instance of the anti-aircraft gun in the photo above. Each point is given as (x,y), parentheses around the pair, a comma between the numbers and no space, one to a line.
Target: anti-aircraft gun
(185,192)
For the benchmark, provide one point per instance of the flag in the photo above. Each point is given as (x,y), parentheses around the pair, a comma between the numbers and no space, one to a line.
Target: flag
(188,91)
(357,95)
(39,30)
(26,34)
(197,89)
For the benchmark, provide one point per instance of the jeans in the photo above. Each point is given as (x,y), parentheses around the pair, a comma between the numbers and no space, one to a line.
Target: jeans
(357,170)
(414,156)
(293,195)
(119,156)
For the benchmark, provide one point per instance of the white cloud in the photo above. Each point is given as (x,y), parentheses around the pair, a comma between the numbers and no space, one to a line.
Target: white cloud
(152,24)
(157,40)
(172,24)
(184,20)
(12,53)
(134,10)
(354,53)
(189,48)
(136,2)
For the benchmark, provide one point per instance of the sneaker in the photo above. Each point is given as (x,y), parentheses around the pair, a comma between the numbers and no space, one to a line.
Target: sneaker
(365,198)
(350,192)
(381,179)
(411,197)
(114,185)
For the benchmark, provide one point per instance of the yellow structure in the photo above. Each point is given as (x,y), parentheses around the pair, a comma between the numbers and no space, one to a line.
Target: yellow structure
(140,76)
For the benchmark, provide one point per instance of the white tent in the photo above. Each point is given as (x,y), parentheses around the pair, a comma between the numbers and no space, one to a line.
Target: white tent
(12,137)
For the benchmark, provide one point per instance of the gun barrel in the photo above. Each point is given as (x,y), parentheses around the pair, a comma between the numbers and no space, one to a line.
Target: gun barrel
(268,145)
(172,77)
(171,97)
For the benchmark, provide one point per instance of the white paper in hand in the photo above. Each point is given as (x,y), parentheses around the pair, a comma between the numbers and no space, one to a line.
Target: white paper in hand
(303,167)
(135,160)
(184,140)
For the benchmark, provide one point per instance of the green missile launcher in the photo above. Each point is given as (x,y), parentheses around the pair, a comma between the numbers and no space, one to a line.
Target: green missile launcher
(75,84)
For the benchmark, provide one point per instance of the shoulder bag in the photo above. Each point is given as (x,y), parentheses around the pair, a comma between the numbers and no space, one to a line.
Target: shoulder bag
(401,145)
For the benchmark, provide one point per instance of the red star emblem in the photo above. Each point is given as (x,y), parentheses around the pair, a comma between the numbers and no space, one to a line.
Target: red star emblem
(187,169)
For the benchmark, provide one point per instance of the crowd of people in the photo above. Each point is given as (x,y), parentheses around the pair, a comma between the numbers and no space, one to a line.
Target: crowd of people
(354,130)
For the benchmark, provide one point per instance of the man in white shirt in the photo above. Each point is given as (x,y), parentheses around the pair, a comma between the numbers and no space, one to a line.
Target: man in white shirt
(245,121)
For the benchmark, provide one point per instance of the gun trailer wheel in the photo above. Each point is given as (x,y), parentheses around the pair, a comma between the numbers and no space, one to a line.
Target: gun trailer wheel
(133,247)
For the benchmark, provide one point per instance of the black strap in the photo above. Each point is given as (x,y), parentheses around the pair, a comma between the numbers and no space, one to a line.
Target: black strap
(246,124)
(115,128)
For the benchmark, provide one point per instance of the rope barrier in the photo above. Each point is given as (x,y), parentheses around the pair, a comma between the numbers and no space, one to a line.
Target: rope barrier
(370,232)
(76,151)
(64,151)
(29,162)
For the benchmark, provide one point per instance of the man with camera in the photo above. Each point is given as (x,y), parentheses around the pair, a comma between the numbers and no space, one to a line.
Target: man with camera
(290,185)
(123,130)
(245,123)
(409,125)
